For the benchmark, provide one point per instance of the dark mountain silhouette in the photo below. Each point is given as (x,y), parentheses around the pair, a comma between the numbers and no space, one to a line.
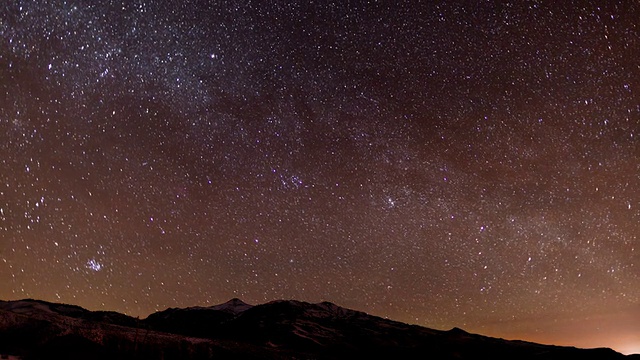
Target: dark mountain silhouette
(203,322)
(33,329)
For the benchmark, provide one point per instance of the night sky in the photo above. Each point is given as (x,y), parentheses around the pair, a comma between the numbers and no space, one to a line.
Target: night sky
(451,163)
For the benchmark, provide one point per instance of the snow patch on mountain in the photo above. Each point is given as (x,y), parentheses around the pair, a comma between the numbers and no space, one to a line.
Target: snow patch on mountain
(25,306)
(234,306)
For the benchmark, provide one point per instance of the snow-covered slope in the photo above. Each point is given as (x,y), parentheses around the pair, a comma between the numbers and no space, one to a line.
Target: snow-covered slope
(234,306)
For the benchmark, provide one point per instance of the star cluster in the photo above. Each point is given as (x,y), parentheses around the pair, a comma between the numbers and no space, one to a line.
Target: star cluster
(444,164)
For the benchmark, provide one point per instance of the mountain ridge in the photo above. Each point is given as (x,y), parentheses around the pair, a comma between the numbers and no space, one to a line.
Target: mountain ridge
(278,329)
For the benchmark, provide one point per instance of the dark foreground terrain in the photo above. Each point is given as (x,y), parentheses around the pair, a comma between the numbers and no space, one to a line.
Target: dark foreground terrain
(32,329)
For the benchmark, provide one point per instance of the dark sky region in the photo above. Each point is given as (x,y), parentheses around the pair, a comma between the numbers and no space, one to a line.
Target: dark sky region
(444,163)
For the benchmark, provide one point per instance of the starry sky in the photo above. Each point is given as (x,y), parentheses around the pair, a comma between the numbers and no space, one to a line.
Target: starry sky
(442,163)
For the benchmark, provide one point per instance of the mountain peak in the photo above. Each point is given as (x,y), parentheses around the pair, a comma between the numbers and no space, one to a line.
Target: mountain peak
(457,331)
(234,306)
(236,301)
